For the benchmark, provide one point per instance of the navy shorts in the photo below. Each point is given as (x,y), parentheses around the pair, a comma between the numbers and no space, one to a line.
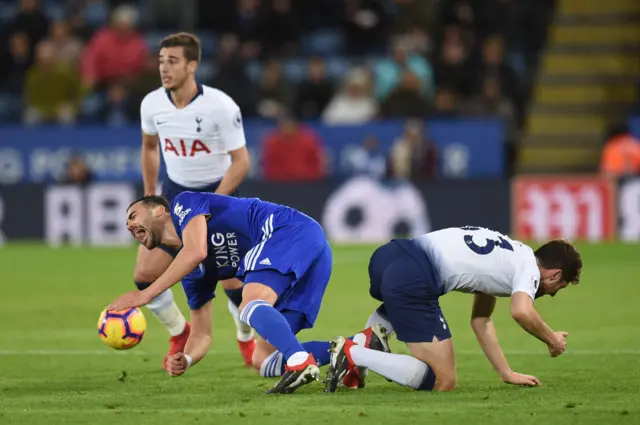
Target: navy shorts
(170,190)
(404,280)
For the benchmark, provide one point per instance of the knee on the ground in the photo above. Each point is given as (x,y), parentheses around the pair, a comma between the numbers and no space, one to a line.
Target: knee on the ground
(259,356)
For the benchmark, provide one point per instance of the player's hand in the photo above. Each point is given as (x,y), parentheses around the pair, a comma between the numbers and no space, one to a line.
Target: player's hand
(128,300)
(558,344)
(176,364)
(520,379)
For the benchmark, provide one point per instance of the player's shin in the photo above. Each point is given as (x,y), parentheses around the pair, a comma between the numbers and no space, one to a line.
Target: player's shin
(275,329)
(165,309)
(399,368)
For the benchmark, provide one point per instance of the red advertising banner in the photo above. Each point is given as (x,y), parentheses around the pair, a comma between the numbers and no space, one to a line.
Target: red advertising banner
(576,208)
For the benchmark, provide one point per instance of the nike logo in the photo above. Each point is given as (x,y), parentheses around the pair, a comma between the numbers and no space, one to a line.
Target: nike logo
(160,122)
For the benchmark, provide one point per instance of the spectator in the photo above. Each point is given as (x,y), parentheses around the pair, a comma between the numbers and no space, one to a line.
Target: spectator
(366,158)
(353,104)
(452,63)
(492,102)
(274,94)
(247,24)
(445,104)
(232,77)
(86,16)
(116,52)
(17,63)
(52,89)
(389,71)
(77,172)
(406,100)
(315,92)
(115,111)
(493,65)
(367,24)
(621,153)
(31,21)
(414,14)
(413,156)
(67,48)
(141,85)
(292,152)
(280,32)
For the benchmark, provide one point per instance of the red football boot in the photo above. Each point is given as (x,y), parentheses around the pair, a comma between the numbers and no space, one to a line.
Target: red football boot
(296,376)
(177,343)
(246,349)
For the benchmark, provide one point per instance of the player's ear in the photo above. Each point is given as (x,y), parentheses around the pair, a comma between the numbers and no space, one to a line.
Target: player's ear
(192,66)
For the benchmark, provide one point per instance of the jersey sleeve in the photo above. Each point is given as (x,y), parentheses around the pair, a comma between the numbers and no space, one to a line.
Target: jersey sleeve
(146,118)
(527,280)
(231,129)
(188,205)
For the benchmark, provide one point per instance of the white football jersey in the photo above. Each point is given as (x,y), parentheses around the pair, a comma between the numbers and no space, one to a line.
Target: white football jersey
(195,141)
(476,259)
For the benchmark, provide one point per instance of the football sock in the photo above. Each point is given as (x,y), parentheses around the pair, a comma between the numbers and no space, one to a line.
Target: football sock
(165,309)
(402,369)
(274,328)
(377,319)
(244,333)
(274,366)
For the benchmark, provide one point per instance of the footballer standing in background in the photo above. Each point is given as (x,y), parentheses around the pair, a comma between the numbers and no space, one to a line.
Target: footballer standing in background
(199,131)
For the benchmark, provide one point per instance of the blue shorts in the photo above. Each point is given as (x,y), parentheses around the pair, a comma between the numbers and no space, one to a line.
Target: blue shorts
(294,259)
(200,286)
(170,190)
(403,278)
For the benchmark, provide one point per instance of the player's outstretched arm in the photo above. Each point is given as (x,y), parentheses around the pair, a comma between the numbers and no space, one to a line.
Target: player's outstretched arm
(150,161)
(523,312)
(483,306)
(193,252)
(197,345)
(236,172)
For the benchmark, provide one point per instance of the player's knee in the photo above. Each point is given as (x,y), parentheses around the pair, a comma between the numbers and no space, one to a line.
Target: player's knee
(257,291)
(445,383)
(146,272)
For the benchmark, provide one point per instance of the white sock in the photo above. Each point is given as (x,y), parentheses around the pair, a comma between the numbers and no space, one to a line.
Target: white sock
(165,309)
(297,358)
(244,332)
(377,319)
(404,370)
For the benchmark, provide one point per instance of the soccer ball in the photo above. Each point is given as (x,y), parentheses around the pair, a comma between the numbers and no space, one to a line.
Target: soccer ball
(122,329)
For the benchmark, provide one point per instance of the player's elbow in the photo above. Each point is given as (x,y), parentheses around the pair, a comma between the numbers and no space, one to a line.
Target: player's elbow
(520,314)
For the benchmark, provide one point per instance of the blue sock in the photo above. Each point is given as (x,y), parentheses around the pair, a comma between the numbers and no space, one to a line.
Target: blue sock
(235,295)
(272,326)
(320,350)
(428,382)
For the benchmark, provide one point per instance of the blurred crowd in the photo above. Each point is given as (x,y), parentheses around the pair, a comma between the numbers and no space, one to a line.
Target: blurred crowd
(337,61)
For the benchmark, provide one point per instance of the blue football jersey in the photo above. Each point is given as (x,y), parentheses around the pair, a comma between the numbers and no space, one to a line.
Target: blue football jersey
(234,225)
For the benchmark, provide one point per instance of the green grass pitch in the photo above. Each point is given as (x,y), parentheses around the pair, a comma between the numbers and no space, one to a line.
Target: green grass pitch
(55,370)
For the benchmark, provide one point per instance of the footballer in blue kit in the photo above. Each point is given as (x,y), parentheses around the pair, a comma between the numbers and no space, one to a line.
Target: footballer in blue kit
(280,254)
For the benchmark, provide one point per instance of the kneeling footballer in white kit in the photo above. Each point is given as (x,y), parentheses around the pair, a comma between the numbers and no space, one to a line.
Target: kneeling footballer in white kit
(409,275)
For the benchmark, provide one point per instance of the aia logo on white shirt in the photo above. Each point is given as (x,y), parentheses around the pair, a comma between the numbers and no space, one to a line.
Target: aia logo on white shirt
(187,148)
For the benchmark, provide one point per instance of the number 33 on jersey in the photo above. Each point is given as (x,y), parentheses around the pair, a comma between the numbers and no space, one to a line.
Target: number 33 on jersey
(476,259)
